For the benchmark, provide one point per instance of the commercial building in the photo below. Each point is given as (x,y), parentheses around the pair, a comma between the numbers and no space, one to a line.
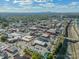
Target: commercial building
(13,37)
(3,55)
(33,28)
(51,31)
(12,51)
(38,42)
(46,34)
(27,38)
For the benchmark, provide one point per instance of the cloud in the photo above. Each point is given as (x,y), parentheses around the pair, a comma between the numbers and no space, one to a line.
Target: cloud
(74,3)
(40,0)
(22,1)
(28,6)
(47,5)
(66,6)
(7,0)
(22,10)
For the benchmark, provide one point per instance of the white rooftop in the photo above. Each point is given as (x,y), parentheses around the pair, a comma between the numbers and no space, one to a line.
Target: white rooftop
(45,34)
(52,30)
(33,27)
(27,38)
(39,42)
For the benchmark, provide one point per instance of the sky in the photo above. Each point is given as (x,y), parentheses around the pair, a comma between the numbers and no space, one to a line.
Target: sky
(39,6)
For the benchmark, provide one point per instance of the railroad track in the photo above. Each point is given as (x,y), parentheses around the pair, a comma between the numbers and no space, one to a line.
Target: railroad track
(73,45)
(74,54)
(76,44)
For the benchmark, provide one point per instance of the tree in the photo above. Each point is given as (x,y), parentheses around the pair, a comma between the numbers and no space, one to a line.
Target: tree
(5,24)
(3,38)
(36,56)
(50,56)
(27,52)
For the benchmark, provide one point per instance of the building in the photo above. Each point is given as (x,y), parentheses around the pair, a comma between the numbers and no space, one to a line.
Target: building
(51,31)
(2,30)
(33,28)
(3,46)
(27,38)
(44,39)
(22,57)
(13,30)
(62,30)
(46,34)
(38,42)
(58,25)
(13,37)
(3,55)
(12,51)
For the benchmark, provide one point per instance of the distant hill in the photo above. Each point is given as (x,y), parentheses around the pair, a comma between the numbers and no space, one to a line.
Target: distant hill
(22,14)
(48,13)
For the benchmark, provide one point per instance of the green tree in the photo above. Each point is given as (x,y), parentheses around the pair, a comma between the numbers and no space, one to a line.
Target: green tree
(4,24)
(33,54)
(36,56)
(50,56)
(3,38)
(27,52)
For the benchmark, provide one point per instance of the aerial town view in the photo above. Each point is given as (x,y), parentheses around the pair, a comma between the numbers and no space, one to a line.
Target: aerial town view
(39,29)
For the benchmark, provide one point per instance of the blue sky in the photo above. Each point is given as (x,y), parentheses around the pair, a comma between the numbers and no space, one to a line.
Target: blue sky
(39,5)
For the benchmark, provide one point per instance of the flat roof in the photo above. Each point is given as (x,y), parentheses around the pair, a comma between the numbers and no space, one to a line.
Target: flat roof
(27,38)
(39,42)
(51,30)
